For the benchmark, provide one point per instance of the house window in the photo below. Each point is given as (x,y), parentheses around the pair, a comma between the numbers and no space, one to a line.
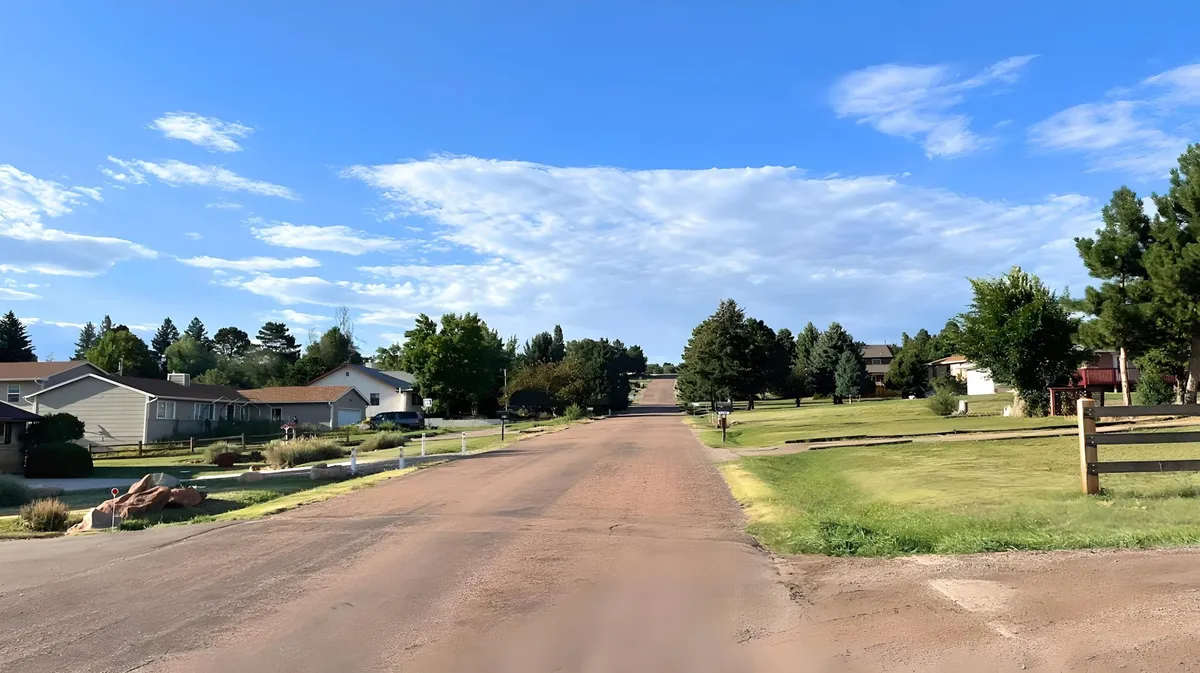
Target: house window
(374,399)
(14,393)
(166,410)
(277,413)
(202,411)
(8,433)
(876,361)
(230,412)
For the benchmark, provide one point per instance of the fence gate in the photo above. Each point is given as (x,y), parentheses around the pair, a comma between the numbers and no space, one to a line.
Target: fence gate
(1090,466)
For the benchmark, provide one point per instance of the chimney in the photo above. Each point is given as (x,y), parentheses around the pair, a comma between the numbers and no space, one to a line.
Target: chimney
(180,378)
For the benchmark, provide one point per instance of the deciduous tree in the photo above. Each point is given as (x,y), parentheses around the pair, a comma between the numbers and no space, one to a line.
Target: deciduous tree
(231,342)
(119,351)
(189,356)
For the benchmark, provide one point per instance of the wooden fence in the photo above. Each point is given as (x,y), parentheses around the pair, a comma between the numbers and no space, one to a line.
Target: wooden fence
(1090,466)
(101,450)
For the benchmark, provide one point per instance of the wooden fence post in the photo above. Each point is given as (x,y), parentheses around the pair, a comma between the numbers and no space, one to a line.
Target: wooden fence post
(139,447)
(1087,448)
(243,441)
(192,444)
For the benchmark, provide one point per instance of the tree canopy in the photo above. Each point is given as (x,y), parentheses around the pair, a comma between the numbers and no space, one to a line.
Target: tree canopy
(15,345)
(119,351)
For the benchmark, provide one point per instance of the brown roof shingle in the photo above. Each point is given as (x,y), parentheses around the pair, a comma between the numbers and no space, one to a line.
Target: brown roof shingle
(28,371)
(296,394)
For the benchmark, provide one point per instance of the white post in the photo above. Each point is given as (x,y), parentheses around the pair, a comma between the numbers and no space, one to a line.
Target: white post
(354,460)
(400,463)
(464,443)
(422,443)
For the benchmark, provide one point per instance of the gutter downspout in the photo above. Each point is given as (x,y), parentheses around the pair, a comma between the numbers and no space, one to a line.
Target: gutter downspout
(331,425)
(146,419)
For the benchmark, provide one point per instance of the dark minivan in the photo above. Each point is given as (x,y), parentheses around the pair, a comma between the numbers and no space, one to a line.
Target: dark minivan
(413,420)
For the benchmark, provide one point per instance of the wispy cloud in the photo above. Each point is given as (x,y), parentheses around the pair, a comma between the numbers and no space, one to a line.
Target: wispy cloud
(55,323)
(30,246)
(335,238)
(207,132)
(1140,131)
(288,315)
(224,205)
(918,102)
(17,295)
(178,173)
(251,264)
(193,235)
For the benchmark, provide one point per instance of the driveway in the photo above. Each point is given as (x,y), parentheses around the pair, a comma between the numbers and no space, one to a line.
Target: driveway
(612,546)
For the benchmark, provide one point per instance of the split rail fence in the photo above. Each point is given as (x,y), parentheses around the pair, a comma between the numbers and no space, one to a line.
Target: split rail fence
(1090,441)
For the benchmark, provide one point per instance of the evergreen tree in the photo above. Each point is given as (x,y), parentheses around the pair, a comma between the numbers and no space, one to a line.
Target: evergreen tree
(276,338)
(539,350)
(1121,306)
(166,335)
(909,371)
(88,336)
(15,345)
(806,343)
(947,342)
(106,325)
(558,347)
(231,342)
(195,329)
(637,360)
(823,360)
(716,359)
(850,376)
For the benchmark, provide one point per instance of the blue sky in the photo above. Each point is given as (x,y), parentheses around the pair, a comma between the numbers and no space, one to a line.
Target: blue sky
(614,167)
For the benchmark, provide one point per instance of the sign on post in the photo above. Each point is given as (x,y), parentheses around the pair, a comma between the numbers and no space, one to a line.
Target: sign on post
(112,521)
(427,403)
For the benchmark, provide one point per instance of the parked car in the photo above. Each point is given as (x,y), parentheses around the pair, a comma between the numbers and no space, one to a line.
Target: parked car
(413,420)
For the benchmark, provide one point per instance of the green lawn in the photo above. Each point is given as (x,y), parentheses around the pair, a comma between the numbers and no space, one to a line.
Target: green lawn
(961,497)
(773,422)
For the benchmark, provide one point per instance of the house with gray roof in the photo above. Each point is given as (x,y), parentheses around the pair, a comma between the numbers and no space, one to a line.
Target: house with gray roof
(383,390)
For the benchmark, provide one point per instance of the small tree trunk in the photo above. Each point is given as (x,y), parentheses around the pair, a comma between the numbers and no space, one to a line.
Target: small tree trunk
(1019,409)
(1123,364)
(797,401)
(1193,371)
(750,404)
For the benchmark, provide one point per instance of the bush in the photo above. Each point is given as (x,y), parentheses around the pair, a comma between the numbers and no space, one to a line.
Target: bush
(45,516)
(58,461)
(298,451)
(54,429)
(1152,389)
(382,440)
(574,412)
(1037,402)
(13,492)
(386,426)
(953,384)
(213,450)
(943,403)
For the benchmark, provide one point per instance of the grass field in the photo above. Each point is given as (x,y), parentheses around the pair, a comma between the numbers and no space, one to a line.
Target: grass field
(773,422)
(961,497)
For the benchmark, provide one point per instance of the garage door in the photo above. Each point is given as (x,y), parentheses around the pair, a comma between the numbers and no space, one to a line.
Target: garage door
(349,417)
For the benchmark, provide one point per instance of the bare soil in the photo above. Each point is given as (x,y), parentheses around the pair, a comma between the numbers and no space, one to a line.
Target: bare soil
(613,546)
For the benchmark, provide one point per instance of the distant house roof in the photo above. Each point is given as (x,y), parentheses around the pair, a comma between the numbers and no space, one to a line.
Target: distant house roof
(29,371)
(297,394)
(950,360)
(11,414)
(388,378)
(877,351)
(403,376)
(160,388)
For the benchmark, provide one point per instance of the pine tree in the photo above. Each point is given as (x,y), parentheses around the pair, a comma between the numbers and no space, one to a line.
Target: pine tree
(1121,306)
(825,356)
(806,342)
(106,326)
(276,338)
(558,347)
(166,335)
(15,345)
(195,329)
(88,336)
(850,376)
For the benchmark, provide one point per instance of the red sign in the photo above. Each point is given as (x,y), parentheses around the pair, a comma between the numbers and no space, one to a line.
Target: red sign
(116,491)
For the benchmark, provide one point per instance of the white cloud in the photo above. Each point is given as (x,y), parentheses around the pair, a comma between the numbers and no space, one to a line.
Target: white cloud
(251,263)
(288,315)
(917,102)
(30,246)
(208,132)
(193,235)
(1140,131)
(178,173)
(325,239)
(55,323)
(17,295)
(645,254)
(224,205)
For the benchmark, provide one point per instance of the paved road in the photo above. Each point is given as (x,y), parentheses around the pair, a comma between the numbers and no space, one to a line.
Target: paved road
(608,547)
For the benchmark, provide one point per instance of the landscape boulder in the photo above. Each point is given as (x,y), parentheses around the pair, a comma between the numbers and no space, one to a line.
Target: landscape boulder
(334,472)
(95,519)
(250,477)
(186,497)
(138,503)
(142,485)
(164,479)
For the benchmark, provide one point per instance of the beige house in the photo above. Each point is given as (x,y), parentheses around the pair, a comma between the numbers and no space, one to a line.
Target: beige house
(331,406)
(12,427)
(383,390)
(20,379)
(979,381)
(130,409)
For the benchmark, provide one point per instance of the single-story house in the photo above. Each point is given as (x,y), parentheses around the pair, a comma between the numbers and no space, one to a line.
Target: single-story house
(12,427)
(331,406)
(131,409)
(19,379)
(979,382)
(383,390)
(878,358)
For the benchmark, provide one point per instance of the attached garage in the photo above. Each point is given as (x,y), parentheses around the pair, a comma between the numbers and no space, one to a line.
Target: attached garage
(330,406)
